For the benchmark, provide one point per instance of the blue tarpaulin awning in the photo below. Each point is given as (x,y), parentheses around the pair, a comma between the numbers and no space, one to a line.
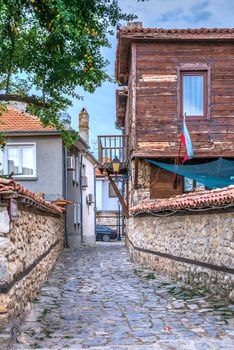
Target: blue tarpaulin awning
(215,174)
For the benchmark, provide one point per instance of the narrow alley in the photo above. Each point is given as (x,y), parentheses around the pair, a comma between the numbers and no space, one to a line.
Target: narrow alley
(97,299)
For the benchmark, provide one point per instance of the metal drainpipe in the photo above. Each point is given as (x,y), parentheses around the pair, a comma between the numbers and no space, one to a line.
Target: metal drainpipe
(65,195)
(123,194)
(95,203)
(81,199)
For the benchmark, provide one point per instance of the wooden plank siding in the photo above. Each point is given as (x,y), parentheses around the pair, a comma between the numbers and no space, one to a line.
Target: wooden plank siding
(161,183)
(157,121)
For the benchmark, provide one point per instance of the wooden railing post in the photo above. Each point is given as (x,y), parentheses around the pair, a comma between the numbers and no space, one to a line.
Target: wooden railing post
(119,195)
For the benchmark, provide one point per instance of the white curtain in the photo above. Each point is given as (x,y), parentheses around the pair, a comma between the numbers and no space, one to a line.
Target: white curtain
(193,104)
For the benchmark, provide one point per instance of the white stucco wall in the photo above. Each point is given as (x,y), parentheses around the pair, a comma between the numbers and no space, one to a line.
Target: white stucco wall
(99,193)
(49,165)
(88,210)
(103,201)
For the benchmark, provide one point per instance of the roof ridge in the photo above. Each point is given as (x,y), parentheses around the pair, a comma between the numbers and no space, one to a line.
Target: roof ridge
(13,188)
(21,112)
(207,198)
(200,29)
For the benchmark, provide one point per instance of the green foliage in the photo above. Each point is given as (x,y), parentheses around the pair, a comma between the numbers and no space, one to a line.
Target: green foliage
(150,276)
(49,47)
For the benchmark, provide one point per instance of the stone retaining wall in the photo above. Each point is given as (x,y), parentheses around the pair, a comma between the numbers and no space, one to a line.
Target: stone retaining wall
(198,249)
(29,248)
(107,218)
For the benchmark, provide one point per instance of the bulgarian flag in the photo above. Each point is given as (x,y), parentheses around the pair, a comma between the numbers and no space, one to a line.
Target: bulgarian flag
(186,141)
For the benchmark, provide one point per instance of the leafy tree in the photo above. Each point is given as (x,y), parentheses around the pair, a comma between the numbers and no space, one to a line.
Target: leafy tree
(49,47)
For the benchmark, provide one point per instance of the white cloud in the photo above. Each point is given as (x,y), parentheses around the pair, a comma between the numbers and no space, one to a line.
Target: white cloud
(202,13)
(153,13)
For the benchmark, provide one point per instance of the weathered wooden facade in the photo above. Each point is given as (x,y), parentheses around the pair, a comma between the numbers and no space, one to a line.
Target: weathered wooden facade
(150,65)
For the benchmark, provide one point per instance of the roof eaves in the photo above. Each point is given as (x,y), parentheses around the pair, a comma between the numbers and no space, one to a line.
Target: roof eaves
(211,33)
(126,35)
(91,157)
(19,132)
(193,201)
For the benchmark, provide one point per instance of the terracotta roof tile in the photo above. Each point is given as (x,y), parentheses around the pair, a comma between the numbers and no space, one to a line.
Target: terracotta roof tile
(14,120)
(212,199)
(17,190)
(98,173)
(145,31)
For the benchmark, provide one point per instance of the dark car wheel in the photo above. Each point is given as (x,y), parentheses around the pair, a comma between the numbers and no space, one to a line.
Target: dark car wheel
(106,238)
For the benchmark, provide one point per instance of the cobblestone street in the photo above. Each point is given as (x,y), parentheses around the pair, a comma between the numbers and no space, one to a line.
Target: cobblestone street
(97,299)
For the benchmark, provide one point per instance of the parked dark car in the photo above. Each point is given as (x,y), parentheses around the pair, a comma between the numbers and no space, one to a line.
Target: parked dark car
(104,233)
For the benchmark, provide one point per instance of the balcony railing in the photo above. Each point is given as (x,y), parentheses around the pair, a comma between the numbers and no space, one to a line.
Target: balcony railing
(110,146)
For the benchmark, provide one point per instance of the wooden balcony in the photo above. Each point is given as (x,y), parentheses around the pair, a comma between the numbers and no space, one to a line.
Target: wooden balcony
(111,146)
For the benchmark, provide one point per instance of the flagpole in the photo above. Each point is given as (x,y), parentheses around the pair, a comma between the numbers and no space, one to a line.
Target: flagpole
(178,156)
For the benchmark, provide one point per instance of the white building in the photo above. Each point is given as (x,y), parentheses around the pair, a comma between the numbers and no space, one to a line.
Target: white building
(87,205)
(109,211)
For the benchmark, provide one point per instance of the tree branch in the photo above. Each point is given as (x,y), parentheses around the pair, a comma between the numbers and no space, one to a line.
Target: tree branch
(26,99)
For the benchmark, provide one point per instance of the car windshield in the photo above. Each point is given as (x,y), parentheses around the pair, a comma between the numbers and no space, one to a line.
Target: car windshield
(101,228)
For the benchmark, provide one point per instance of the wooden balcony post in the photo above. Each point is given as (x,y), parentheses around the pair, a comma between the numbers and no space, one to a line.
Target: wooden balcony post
(119,195)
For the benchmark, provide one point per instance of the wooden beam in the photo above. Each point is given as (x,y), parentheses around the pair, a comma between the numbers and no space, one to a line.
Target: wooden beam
(119,195)
(136,174)
(133,90)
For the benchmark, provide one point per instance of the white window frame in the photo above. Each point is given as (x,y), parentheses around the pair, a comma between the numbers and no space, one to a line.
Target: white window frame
(20,145)
(194,186)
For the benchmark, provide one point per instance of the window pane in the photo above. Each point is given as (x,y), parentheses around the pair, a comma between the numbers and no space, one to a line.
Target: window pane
(13,160)
(27,160)
(112,193)
(188,184)
(200,186)
(193,95)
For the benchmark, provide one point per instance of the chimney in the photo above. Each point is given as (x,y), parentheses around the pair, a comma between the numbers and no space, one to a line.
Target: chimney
(84,125)
(134,24)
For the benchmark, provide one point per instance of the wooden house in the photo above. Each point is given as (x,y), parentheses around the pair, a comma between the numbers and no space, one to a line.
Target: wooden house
(164,74)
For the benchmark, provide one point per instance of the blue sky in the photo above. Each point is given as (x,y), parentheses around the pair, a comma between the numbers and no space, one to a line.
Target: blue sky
(153,13)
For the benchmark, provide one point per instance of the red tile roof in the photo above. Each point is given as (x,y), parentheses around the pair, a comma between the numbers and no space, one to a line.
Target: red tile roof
(14,120)
(199,31)
(209,199)
(10,187)
(98,173)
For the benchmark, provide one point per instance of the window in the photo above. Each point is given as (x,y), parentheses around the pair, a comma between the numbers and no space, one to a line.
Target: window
(20,159)
(112,193)
(191,185)
(194,93)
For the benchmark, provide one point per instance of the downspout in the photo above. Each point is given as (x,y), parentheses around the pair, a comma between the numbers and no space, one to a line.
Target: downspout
(123,194)
(95,202)
(65,194)
(81,199)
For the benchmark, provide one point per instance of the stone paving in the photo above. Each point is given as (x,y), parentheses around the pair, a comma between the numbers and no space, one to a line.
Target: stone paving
(97,299)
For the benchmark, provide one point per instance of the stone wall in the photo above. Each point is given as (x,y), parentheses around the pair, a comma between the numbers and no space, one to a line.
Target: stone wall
(108,218)
(141,190)
(29,248)
(198,249)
